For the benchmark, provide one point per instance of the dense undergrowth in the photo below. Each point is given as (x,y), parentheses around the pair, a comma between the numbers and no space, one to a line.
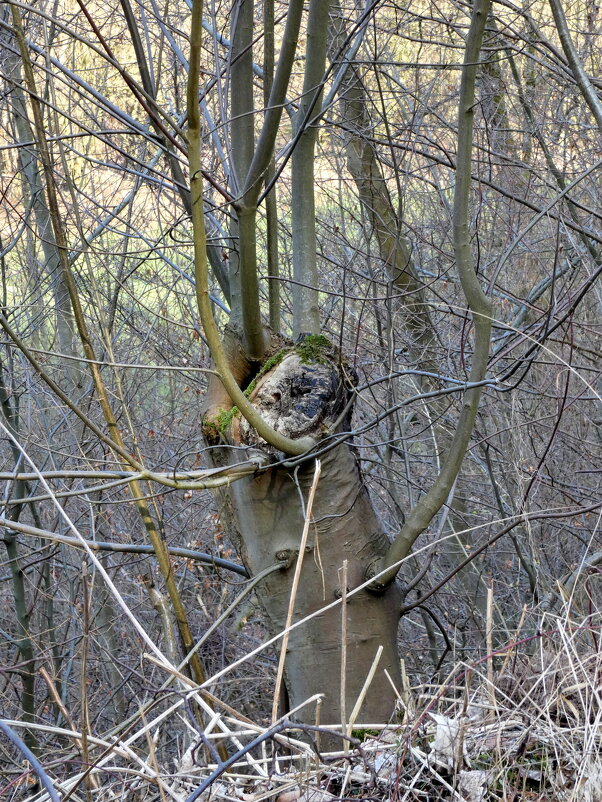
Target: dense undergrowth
(522,723)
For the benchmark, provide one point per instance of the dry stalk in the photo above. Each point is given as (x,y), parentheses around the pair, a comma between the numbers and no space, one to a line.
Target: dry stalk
(343,581)
(294,589)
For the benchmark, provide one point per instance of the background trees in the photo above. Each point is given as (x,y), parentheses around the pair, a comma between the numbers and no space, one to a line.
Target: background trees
(104,361)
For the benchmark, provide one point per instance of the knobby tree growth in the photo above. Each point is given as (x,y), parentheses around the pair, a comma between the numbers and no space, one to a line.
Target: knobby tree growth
(337,266)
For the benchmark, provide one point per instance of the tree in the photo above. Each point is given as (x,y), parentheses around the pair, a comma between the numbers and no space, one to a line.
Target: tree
(289,458)
(297,400)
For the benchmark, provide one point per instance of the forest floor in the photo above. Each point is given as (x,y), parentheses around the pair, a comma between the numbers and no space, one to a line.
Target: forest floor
(524,723)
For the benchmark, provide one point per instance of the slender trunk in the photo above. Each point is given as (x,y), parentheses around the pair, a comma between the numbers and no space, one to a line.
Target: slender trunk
(306,310)
(385,225)
(477,302)
(119,445)
(243,263)
(108,640)
(271,204)
(24,641)
(33,191)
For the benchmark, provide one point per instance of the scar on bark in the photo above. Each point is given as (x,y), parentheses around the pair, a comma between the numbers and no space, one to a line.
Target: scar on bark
(300,389)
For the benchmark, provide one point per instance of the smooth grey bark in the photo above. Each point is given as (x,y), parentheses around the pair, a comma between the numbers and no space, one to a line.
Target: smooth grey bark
(478,304)
(384,222)
(396,254)
(241,138)
(301,402)
(306,311)
(271,203)
(24,642)
(149,85)
(251,160)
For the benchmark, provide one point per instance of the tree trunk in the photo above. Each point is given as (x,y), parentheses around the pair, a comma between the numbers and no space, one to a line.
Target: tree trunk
(305,394)
(34,198)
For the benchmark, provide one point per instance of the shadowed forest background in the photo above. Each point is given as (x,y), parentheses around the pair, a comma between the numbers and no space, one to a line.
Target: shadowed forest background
(400,258)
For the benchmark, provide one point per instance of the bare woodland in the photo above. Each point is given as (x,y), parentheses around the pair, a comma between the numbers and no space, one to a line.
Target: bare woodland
(300,400)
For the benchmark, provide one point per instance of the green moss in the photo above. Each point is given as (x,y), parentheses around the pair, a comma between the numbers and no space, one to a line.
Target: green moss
(270,363)
(223,421)
(249,389)
(211,431)
(312,348)
(362,734)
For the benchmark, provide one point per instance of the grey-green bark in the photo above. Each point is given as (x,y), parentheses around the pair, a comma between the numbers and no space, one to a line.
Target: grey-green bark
(385,225)
(266,516)
(478,304)
(306,312)
(383,221)
(23,641)
(227,390)
(242,136)
(251,160)
(581,77)
(34,195)
(295,403)
(271,204)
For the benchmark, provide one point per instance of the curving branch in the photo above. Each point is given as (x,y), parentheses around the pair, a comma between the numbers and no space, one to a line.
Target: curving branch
(127,548)
(279,441)
(478,304)
(306,303)
(570,51)
(32,759)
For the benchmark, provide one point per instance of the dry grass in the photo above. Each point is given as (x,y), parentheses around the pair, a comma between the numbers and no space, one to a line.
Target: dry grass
(530,729)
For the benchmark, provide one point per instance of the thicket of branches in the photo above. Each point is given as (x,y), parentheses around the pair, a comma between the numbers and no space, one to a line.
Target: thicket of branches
(96,207)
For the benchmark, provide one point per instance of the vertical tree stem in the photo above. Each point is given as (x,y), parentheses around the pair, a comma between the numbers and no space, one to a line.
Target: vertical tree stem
(306,310)
(271,204)
(85,706)
(24,642)
(478,304)
(570,51)
(218,355)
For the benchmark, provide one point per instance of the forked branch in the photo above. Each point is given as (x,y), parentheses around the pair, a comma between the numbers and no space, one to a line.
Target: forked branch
(218,355)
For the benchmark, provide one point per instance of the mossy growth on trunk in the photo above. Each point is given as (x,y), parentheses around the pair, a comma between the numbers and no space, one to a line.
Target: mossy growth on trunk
(311,350)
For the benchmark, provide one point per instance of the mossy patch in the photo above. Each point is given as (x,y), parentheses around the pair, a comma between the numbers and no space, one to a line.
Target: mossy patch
(362,734)
(211,431)
(270,363)
(313,348)
(223,421)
